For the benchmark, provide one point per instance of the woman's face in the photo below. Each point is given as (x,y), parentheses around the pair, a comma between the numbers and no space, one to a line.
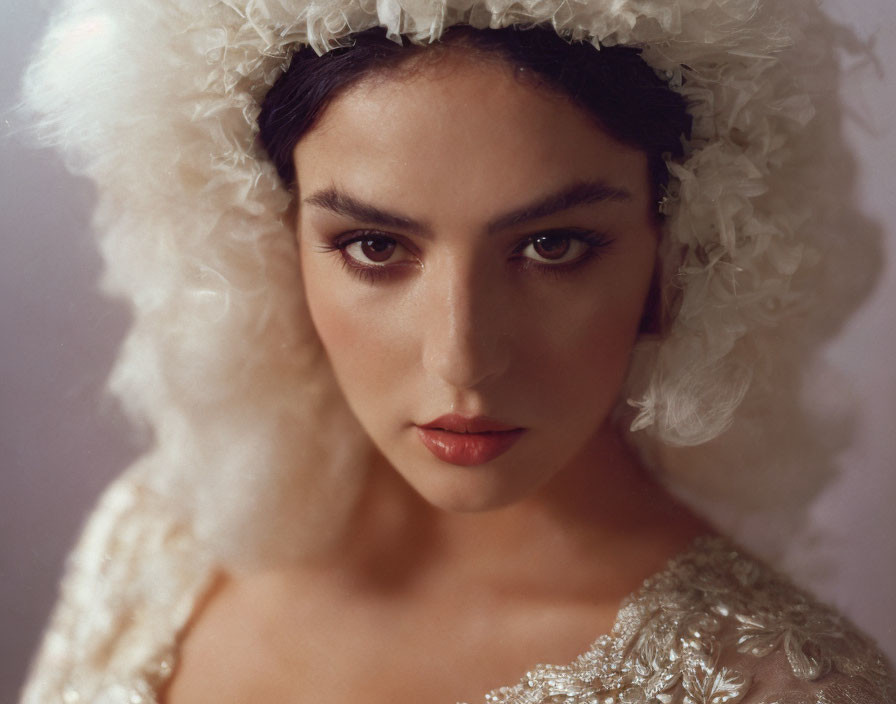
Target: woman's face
(474,244)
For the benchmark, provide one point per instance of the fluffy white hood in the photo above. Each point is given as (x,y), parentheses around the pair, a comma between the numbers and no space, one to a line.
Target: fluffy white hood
(156,101)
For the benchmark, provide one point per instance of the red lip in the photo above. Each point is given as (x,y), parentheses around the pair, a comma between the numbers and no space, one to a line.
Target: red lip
(468,441)
(459,424)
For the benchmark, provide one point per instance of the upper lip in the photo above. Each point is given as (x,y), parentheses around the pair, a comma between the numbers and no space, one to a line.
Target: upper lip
(461,424)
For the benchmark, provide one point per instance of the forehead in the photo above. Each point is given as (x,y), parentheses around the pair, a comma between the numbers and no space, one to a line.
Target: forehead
(462,131)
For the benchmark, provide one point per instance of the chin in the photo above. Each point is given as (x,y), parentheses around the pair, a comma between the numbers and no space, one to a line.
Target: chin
(470,504)
(470,491)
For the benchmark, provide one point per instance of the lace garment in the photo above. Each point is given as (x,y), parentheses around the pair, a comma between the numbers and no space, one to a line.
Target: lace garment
(714,627)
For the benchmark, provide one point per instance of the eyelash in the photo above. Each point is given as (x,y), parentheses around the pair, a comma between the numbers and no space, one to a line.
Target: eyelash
(597,243)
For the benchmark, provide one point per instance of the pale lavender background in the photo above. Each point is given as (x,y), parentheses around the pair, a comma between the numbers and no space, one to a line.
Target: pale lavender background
(60,442)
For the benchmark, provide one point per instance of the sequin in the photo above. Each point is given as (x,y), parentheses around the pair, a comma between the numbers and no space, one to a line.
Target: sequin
(715,605)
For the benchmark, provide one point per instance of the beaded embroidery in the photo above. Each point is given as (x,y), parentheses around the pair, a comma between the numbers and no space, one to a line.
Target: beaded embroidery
(696,633)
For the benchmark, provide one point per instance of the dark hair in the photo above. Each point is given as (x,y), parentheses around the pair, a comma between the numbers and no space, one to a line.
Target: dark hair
(613,84)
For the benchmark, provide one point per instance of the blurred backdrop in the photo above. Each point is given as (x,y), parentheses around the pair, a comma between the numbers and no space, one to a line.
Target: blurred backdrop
(61,440)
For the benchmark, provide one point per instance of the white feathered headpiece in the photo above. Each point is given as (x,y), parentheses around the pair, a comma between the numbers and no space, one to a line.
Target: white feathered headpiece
(156,101)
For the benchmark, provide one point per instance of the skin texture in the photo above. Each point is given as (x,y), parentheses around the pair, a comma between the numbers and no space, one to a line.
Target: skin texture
(461,326)
(452,581)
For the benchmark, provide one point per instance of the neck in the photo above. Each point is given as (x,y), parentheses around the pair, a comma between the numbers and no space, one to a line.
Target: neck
(602,510)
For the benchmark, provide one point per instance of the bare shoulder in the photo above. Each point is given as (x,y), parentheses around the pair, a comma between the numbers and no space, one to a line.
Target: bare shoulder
(225,653)
(274,637)
(717,626)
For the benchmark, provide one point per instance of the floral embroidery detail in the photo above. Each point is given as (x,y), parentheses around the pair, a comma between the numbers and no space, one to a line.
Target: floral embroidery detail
(713,605)
(707,684)
(656,690)
(806,633)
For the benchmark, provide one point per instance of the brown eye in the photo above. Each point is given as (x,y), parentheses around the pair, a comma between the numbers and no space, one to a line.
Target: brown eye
(551,246)
(377,250)
(371,250)
(555,248)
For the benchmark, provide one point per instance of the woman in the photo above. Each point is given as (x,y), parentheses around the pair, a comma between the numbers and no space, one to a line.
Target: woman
(477,226)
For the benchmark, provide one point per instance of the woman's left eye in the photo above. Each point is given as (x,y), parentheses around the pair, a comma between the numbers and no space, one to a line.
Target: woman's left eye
(554,249)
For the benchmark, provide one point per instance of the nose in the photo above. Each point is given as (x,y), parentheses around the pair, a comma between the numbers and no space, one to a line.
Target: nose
(467,325)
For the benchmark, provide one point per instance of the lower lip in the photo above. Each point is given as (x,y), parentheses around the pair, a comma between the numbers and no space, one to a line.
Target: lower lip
(468,449)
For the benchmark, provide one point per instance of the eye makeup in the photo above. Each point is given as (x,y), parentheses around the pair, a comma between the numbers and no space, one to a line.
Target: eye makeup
(593,244)
(365,272)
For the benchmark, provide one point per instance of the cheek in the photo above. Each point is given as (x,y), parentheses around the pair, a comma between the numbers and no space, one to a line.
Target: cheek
(583,366)
(357,332)
(579,356)
(332,319)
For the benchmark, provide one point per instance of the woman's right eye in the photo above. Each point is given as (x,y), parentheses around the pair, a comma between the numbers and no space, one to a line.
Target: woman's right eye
(369,255)
(371,250)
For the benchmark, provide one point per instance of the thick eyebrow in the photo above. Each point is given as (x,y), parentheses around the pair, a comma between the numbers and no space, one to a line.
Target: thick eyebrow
(579,193)
(341,203)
